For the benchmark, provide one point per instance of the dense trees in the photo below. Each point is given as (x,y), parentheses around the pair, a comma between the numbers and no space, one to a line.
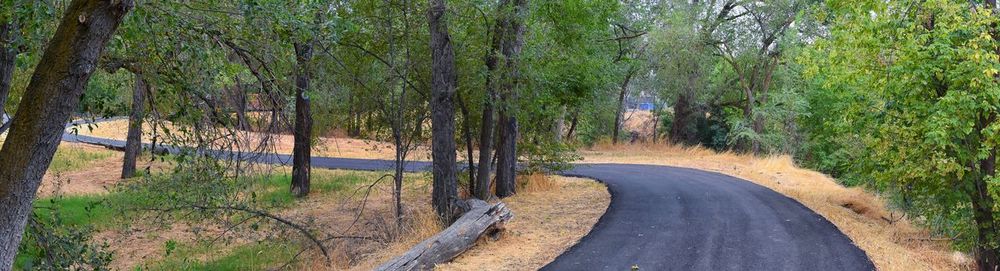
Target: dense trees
(895,96)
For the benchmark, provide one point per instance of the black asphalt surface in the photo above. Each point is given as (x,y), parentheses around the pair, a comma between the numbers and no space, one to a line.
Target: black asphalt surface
(668,218)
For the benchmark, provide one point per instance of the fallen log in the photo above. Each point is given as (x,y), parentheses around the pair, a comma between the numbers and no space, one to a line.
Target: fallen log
(481,219)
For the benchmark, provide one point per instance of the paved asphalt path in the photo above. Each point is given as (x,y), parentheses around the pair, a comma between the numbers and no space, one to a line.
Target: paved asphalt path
(668,218)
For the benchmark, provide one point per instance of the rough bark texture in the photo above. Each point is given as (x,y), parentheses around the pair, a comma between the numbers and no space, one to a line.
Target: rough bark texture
(51,96)
(512,14)
(302,150)
(683,129)
(8,53)
(507,156)
(444,81)
(133,141)
(482,219)
(507,40)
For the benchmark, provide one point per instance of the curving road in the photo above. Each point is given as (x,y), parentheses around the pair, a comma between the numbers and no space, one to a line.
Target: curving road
(668,218)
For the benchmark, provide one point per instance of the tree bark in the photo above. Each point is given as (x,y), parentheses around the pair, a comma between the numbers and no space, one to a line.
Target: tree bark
(572,124)
(51,96)
(681,129)
(987,252)
(8,53)
(512,14)
(444,81)
(133,141)
(302,150)
(621,105)
(483,219)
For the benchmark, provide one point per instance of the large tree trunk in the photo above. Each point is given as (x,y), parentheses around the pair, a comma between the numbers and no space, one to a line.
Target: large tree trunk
(682,130)
(512,15)
(482,182)
(444,81)
(507,156)
(133,141)
(302,151)
(483,219)
(621,105)
(51,96)
(8,53)
(987,252)
(504,36)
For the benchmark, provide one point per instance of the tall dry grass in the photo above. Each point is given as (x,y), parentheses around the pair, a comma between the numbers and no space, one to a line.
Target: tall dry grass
(892,242)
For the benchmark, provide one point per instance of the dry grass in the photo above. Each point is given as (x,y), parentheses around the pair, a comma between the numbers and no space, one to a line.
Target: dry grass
(324,146)
(859,214)
(86,176)
(551,214)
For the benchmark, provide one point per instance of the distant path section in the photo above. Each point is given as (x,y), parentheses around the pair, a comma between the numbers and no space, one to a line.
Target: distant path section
(667,218)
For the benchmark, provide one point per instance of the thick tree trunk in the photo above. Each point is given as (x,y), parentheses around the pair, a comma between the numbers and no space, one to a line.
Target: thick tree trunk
(482,182)
(51,96)
(444,81)
(483,219)
(8,53)
(682,130)
(302,150)
(507,156)
(133,141)
(621,105)
(987,252)
(512,15)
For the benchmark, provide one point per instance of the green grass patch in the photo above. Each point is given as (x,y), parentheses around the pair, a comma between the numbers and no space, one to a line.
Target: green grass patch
(253,256)
(275,188)
(70,159)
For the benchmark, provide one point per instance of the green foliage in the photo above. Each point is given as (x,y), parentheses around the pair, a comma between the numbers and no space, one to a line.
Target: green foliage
(902,101)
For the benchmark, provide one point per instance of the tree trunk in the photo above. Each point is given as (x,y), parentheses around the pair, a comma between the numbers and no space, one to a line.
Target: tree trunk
(557,129)
(51,96)
(302,150)
(483,219)
(8,53)
(485,145)
(133,141)
(987,252)
(682,130)
(444,81)
(621,105)
(240,100)
(507,156)
(512,20)
(572,124)
(467,131)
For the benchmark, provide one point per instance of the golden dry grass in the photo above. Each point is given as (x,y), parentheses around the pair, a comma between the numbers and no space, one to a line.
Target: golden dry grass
(860,215)
(323,146)
(551,213)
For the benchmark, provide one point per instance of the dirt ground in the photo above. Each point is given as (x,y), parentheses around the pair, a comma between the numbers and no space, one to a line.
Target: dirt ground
(551,214)
(861,215)
(324,146)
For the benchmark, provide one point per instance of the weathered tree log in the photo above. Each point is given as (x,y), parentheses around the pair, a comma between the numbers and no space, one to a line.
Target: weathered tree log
(482,219)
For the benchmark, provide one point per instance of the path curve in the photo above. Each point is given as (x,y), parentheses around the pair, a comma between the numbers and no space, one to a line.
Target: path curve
(669,218)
